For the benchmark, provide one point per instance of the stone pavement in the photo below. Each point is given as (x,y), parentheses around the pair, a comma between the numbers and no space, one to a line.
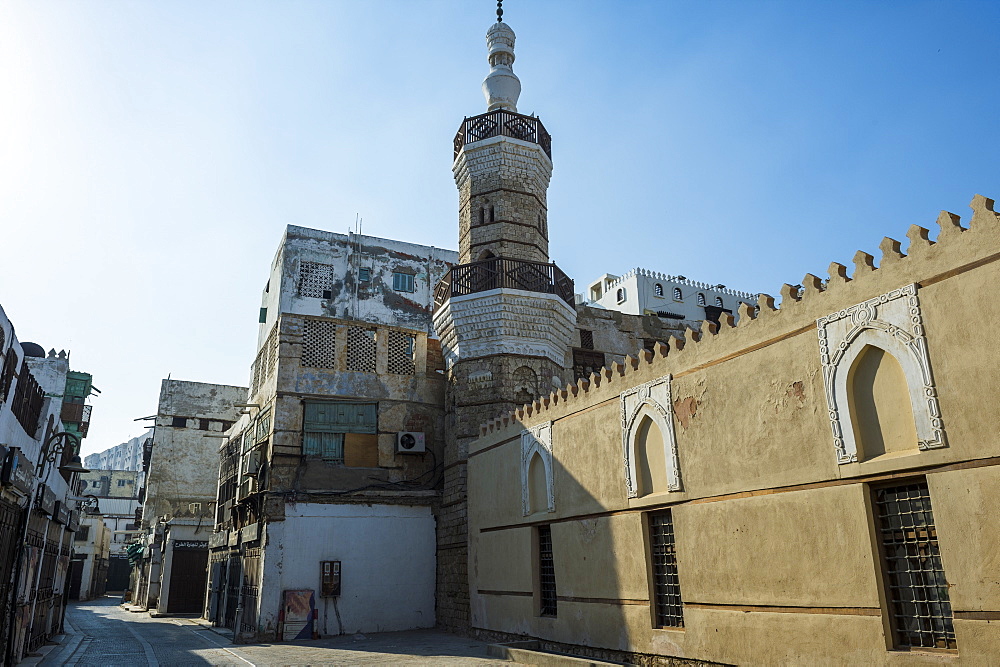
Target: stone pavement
(102,634)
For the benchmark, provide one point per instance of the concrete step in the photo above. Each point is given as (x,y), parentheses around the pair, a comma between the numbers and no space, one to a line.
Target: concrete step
(530,653)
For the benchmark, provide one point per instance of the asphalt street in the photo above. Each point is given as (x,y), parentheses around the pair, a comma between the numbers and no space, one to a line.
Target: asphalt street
(100,633)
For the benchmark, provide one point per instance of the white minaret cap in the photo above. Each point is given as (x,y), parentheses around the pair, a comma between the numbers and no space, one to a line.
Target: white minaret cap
(501,86)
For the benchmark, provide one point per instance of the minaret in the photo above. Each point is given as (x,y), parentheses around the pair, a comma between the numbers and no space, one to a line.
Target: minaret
(505,315)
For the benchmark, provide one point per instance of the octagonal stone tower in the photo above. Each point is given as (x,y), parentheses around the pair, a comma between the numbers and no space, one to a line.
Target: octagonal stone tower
(505,314)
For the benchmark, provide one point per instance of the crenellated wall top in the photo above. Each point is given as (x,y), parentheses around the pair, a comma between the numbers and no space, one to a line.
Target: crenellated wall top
(955,250)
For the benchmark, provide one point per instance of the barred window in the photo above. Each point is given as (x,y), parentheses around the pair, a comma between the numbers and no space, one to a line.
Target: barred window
(315,279)
(546,573)
(361,349)
(586,339)
(402,347)
(402,282)
(319,341)
(667,605)
(677,294)
(920,613)
(658,289)
(718,301)
(364,275)
(701,299)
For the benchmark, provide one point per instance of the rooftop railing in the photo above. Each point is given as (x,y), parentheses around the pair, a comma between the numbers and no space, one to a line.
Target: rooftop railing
(503,123)
(500,272)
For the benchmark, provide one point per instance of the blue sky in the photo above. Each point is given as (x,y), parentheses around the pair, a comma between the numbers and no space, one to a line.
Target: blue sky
(151,153)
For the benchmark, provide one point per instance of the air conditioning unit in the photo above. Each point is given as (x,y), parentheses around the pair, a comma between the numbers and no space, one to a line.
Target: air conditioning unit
(409,442)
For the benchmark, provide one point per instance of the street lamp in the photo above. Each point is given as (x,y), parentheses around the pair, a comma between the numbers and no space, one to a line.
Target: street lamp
(54,448)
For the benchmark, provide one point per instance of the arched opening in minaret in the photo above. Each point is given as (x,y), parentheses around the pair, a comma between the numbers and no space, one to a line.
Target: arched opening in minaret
(484,255)
(492,213)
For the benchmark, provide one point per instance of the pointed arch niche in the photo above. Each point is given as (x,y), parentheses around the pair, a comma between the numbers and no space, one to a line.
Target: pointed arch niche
(649,442)
(879,389)
(537,489)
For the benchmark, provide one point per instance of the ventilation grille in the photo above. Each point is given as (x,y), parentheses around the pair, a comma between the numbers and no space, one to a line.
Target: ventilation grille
(319,344)
(361,349)
(314,279)
(401,348)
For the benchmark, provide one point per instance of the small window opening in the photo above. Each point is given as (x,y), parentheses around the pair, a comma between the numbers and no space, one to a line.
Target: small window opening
(621,294)
(718,301)
(364,275)
(658,289)
(701,299)
(179,422)
(546,573)
(677,294)
(402,282)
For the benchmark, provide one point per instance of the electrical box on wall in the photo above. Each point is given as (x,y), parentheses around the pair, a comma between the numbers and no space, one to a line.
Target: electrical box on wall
(330,576)
(409,442)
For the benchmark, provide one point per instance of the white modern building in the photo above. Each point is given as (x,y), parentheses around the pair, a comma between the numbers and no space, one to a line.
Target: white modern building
(644,292)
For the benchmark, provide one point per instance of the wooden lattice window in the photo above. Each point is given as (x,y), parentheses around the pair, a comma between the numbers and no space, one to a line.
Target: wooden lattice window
(326,423)
(315,279)
(361,346)
(402,348)
(319,342)
(586,339)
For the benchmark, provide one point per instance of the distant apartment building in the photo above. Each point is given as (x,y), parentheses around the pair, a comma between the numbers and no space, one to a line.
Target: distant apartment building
(126,456)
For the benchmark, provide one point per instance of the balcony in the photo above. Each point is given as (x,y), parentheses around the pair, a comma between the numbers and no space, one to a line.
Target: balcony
(76,413)
(503,123)
(503,273)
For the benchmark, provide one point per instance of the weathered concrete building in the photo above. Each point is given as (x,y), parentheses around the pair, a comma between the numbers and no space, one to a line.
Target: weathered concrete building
(178,500)
(331,472)
(37,482)
(91,556)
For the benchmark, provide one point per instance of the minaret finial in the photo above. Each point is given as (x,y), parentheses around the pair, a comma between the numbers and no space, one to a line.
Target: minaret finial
(501,86)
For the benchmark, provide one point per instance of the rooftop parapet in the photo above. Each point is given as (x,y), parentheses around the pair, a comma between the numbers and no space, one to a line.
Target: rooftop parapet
(681,280)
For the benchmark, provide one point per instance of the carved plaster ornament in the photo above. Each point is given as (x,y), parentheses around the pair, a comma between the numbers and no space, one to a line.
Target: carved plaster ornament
(653,399)
(893,323)
(537,439)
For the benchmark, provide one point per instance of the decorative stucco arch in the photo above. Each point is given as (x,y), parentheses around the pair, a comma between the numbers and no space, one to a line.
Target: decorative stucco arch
(537,440)
(891,322)
(651,399)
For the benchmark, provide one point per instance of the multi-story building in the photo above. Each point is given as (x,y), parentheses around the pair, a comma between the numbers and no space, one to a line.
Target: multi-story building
(114,496)
(102,483)
(331,473)
(91,556)
(178,499)
(643,292)
(37,514)
(126,456)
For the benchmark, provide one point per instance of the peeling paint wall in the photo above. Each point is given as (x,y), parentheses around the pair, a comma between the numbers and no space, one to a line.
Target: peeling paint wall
(374,300)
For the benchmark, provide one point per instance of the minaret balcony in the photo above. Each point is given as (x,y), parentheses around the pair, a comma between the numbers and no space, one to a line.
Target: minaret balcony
(503,123)
(504,273)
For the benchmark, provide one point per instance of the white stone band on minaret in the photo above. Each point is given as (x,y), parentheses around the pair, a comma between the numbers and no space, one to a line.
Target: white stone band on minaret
(501,86)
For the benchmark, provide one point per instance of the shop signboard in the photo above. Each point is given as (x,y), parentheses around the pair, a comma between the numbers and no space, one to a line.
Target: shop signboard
(18,471)
(47,500)
(190,545)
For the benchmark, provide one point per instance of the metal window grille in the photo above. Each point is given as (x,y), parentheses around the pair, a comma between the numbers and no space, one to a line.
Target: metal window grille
(677,294)
(401,353)
(658,289)
(701,299)
(361,349)
(669,608)
(546,573)
(586,339)
(319,344)
(314,279)
(918,591)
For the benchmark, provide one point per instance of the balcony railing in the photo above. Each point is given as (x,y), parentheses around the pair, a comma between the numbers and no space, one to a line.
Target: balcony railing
(502,123)
(500,272)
